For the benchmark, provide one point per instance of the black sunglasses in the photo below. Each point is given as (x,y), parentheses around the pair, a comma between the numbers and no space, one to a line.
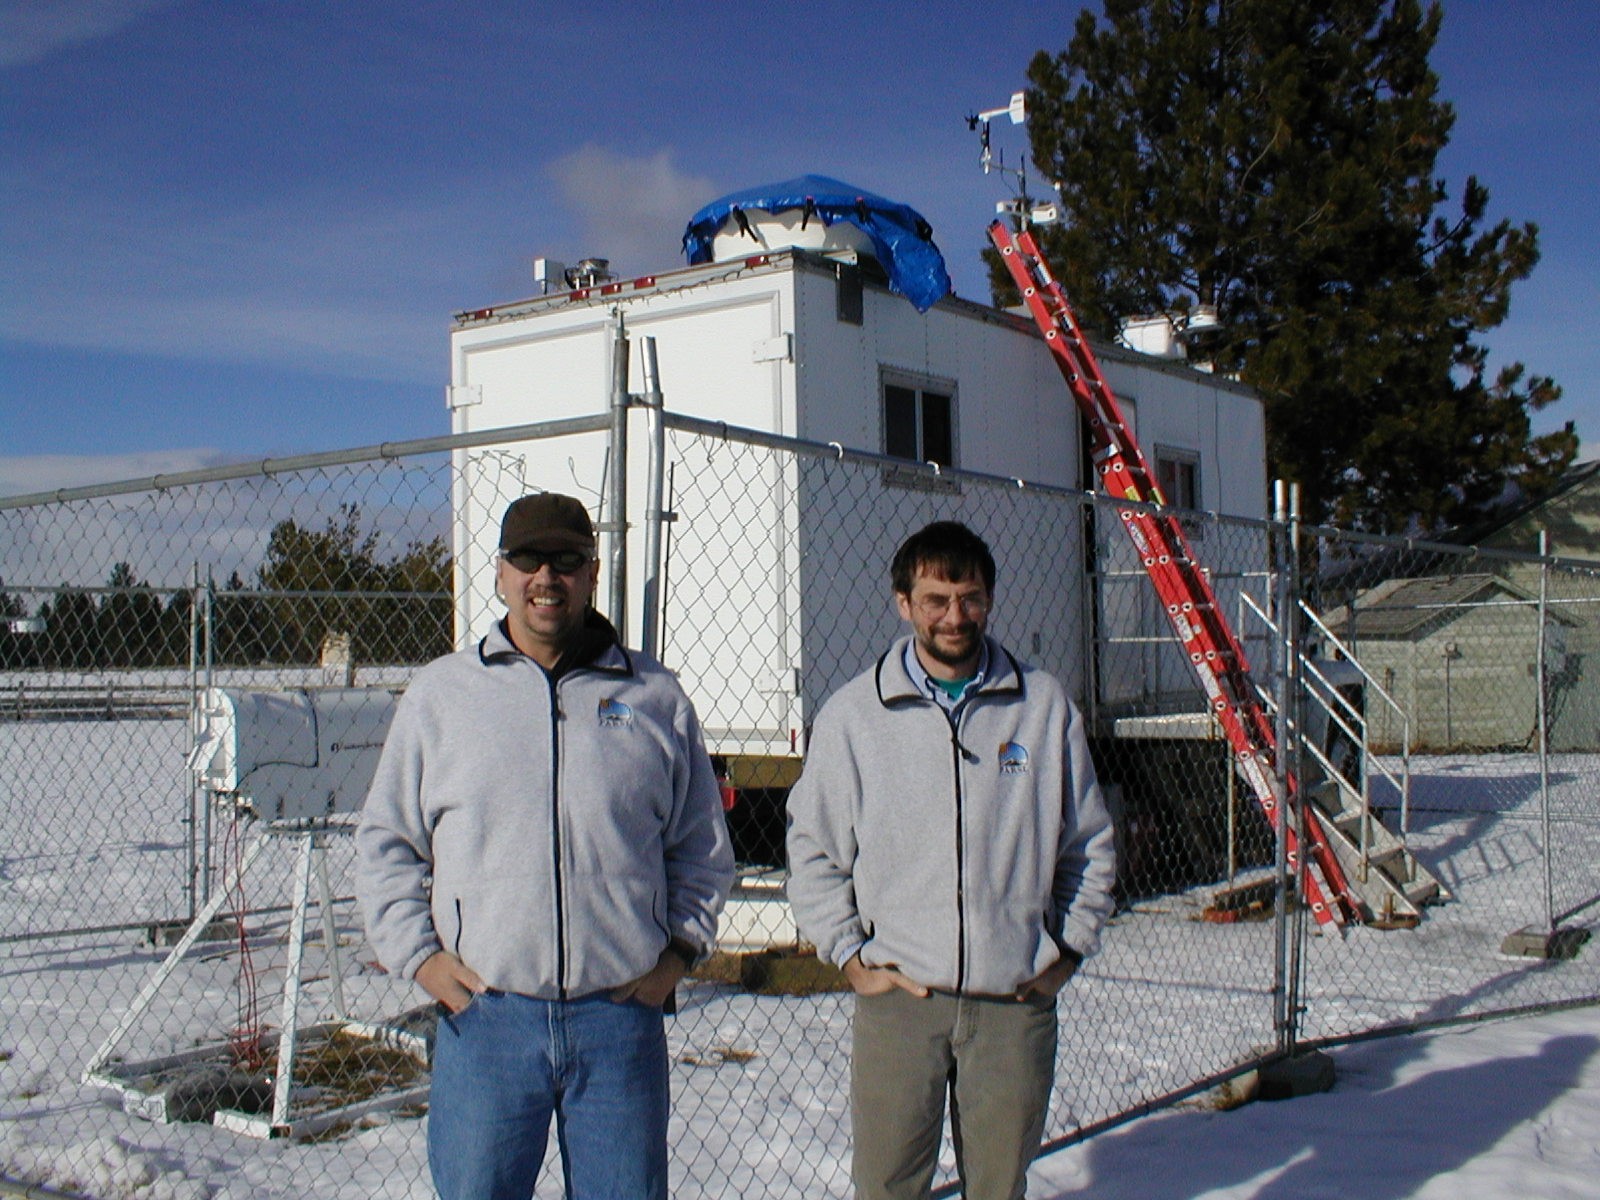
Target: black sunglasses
(528,560)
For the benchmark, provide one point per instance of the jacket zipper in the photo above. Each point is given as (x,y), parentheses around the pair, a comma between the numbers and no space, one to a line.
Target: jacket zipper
(956,754)
(555,834)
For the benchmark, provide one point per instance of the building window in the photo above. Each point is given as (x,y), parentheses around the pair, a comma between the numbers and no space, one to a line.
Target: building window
(1178,475)
(919,425)
(1089,473)
(919,422)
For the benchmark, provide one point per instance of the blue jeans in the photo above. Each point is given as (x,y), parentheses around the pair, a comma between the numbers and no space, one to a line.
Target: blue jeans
(506,1063)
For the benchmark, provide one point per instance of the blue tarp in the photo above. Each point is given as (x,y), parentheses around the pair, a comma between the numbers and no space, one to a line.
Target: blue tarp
(902,240)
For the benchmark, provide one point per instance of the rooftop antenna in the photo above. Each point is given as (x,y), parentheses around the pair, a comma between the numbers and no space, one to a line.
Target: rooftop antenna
(1021,208)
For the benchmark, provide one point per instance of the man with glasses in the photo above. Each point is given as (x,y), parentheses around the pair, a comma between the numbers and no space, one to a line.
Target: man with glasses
(950,850)
(543,850)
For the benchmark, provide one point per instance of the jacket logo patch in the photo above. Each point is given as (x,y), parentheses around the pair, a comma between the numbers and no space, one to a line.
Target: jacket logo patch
(1013,758)
(615,713)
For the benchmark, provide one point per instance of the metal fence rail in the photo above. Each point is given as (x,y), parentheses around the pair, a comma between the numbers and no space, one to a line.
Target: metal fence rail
(123,602)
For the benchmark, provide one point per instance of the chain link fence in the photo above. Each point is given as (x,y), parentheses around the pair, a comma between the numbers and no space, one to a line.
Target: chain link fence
(1482,713)
(182,946)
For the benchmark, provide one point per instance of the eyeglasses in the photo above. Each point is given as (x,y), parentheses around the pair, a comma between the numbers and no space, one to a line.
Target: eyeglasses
(974,604)
(563,562)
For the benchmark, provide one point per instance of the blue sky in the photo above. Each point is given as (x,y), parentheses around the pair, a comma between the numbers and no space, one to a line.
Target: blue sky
(234,230)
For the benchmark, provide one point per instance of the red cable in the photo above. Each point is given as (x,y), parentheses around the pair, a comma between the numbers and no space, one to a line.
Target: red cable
(245,1038)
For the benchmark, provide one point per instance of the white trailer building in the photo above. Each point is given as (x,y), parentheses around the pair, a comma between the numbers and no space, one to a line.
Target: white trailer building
(793,332)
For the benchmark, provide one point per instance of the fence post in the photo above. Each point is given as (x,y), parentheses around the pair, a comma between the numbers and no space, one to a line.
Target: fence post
(655,515)
(1290,922)
(615,520)
(1540,680)
(1291,758)
(192,865)
(208,602)
(1090,594)
(1280,906)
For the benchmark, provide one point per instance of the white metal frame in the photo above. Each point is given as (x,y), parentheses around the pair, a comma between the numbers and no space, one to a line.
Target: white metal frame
(133,1080)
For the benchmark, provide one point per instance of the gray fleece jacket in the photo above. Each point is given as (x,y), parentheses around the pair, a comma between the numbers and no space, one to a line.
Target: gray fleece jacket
(969,853)
(554,833)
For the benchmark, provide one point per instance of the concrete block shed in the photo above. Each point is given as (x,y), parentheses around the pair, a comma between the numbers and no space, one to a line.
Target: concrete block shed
(1439,646)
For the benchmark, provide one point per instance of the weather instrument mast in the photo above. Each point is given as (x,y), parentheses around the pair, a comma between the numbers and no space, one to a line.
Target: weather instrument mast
(1021,208)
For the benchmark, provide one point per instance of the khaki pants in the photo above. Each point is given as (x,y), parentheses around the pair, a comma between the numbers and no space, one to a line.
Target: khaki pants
(994,1058)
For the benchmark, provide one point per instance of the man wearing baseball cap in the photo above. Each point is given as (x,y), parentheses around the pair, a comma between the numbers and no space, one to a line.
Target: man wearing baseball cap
(543,850)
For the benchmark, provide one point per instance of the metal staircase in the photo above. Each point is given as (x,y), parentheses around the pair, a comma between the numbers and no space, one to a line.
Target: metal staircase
(1391,885)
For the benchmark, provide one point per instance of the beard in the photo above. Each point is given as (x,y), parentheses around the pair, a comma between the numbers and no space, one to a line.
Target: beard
(953,649)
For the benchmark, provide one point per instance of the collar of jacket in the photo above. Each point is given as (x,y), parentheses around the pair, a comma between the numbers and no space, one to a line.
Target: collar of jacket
(596,648)
(896,687)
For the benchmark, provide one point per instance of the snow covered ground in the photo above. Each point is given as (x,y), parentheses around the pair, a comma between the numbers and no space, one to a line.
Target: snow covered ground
(1509,1108)
(759,1081)
(1477,1112)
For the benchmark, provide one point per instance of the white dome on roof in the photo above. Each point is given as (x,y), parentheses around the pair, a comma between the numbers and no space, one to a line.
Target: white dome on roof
(899,239)
(749,231)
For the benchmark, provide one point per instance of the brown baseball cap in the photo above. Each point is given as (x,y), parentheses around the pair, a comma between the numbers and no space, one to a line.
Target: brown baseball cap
(547,521)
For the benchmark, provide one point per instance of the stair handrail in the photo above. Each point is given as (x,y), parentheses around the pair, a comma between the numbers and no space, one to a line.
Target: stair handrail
(1332,772)
(1338,778)
(1354,724)
(1403,784)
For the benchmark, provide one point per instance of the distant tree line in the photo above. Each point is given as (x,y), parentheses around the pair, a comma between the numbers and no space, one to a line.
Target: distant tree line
(311,583)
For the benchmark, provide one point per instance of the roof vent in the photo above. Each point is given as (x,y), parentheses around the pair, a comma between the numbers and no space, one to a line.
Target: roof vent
(1168,335)
(589,272)
(550,275)
(1155,336)
(1202,319)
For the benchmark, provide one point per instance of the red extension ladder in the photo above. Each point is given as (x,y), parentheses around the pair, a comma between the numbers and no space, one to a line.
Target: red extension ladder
(1214,652)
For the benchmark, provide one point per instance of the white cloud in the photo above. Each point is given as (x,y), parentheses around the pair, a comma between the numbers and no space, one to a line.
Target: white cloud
(163,534)
(24,475)
(31,30)
(632,210)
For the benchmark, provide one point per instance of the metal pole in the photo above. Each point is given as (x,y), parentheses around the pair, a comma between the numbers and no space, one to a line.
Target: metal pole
(465,557)
(1089,583)
(1449,722)
(666,560)
(1544,729)
(1280,903)
(654,516)
(330,928)
(1293,755)
(1405,767)
(289,1018)
(616,516)
(1233,825)
(192,866)
(1291,759)
(209,660)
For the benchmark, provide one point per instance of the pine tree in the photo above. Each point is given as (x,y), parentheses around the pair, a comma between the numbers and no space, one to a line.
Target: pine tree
(332,580)
(317,580)
(129,620)
(1275,159)
(13,646)
(72,625)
